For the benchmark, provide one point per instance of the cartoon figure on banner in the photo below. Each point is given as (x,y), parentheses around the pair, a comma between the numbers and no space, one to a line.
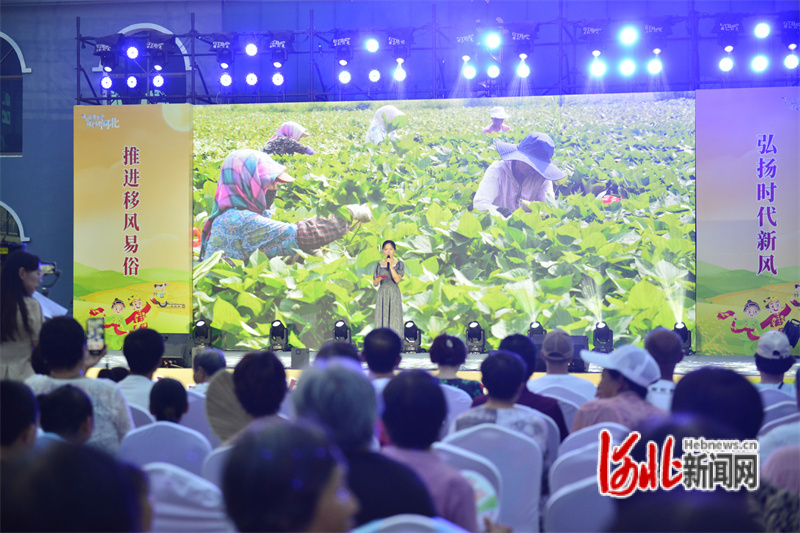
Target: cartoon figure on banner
(750,325)
(778,317)
(116,321)
(160,297)
(796,299)
(138,318)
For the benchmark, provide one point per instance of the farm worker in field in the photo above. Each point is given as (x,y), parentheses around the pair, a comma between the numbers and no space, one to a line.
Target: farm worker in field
(241,221)
(379,126)
(287,141)
(525,173)
(498,115)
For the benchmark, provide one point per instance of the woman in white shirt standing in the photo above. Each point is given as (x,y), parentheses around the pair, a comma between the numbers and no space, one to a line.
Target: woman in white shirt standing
(20,314)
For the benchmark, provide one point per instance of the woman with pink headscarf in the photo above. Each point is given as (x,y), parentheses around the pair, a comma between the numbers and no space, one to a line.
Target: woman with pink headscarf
(287,141)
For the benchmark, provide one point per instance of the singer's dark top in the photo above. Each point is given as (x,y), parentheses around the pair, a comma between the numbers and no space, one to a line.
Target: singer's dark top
(388,304)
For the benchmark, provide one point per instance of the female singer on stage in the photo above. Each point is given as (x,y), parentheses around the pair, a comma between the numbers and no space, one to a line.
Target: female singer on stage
(388,304)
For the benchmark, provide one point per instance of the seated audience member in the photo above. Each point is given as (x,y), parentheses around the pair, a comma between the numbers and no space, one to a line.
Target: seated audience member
(504,375)
(525,348)
(773,359)
(627,372)
(783,435)
(168,401)
(63,346)
(723,396)
(783,468)
(288,478)
(341,398)
(338,349)
(259,381)
(143,349)
(66,415)
(557,352)
(415,410)
(75,488)
(18,414)
(449,353)
(204,366)
(381,352)
(115,374)
(666,348)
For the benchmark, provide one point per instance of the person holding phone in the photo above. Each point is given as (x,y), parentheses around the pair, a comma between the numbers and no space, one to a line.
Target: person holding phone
(388,304)
(20,314)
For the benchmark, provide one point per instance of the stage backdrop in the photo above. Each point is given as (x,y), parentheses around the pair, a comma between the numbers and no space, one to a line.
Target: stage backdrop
(748,271)
(133,217)
(615,244)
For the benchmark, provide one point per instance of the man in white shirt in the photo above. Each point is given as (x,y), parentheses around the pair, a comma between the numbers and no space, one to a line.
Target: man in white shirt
(787,434)
(525,173)
(143,349)
(773,359)
(557,352)
(204,365)
(381,352)
(666,348)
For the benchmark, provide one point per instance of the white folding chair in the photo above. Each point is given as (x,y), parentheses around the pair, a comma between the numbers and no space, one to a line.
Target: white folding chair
(214,463)
(779,410)
(590,434)
(519,460)
(563,393)
(579,507)
(766,428)
(568,409)
(553,434)
(140,416)
(405,523)
(196,418)
(458,402)
(773,396)
(462,460)
(574,466)
(184,501)
(165,442)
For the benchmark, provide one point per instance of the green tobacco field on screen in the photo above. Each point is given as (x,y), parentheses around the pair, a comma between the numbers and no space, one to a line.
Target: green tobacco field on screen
(568,264)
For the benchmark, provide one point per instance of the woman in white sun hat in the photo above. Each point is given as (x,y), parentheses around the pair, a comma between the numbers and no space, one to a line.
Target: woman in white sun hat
(498,115)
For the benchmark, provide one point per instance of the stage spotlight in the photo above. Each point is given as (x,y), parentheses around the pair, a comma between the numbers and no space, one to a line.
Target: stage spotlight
(792,331)
(654,66)
(159,46)
(790,30)
(277,79)
(158,81)
(412,338)
(224,44)
(278,53)
(761,30)
(399,72)
(132,82)
(492,40)
(686,337)
(523,70)
(251,79)
(342,45)
(372,45)
(536,328)
(344,77)
(476,338)
(759,63)
(465,58)
(341,331)
(627,67)
(629,35)
(469,72)
(225,80)
(374,76)
(107,48)
(726,64)
(597,68)
(493,71)
(251,49)
(278,337)
(727,27)
(603,338)
(202,332)
(790,61)
(106,82)
(132,52)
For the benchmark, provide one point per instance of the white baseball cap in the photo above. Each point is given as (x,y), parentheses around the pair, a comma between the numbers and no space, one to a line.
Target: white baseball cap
(633,362)
(774,345)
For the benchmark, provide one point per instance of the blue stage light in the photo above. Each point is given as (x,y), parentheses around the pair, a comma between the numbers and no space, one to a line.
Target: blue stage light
(759,63)
(132,52)
(523,70)
(790,61)
(493,40)
(158,81)
(277,79)
(251,79)
(106,82)
(372,45)
(132,82)
(251,49)
(469,72)
(374,76)
(597,68)
(493,71)
(629,35)
(762,30)
(399,72)
(627,67)
(726,64)
(344,77)
(655,66)
(225,80)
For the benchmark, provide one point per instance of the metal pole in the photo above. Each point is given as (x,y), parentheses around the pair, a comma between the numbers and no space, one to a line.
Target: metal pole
(193,36)
(78,61)
(311,56)
(435,62)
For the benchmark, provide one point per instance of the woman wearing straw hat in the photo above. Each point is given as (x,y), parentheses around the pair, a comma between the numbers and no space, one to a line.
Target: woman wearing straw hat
(525,173)
(498,115)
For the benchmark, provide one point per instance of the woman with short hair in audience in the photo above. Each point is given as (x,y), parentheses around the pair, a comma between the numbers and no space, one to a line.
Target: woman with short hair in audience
(168,401)
(288,478)
(20,314)
(65,415)
(449,353)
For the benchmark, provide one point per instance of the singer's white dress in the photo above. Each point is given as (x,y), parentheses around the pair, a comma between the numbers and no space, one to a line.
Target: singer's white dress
(388,304)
